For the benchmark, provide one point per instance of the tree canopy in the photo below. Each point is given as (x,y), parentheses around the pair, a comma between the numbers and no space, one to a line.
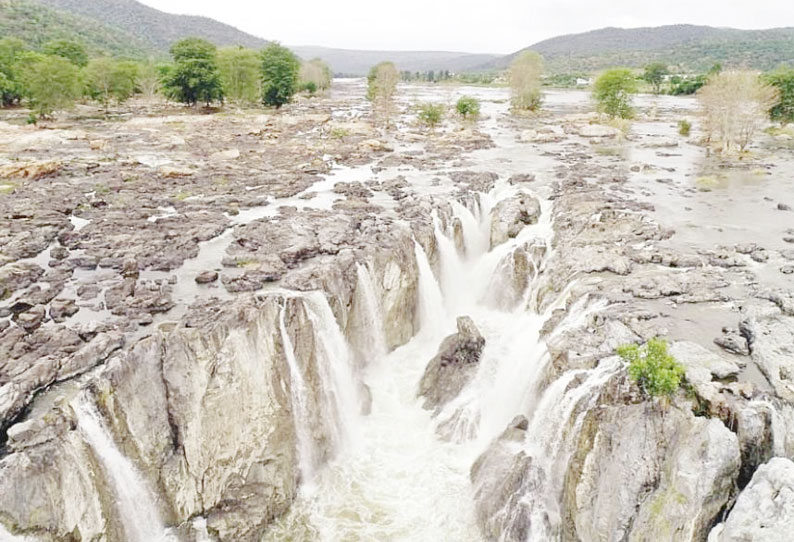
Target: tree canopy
(194,77)
(280,68)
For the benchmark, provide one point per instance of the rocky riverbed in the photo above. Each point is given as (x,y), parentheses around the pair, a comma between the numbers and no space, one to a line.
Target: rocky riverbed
(238,317)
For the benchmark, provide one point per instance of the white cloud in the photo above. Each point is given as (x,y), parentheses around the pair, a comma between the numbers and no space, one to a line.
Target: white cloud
(497,26)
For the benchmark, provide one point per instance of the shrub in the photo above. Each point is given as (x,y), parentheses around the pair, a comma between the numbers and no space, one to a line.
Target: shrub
(613,92)
(280,69)
(309,87)
(317,73)
(652,368)
(783,81)
(431,114)
(524,76)
(468,107)
(684,127)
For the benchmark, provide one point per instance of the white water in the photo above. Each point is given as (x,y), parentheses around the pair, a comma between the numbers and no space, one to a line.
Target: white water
(432,316)
(136,505)
(400,480)
(374,340)
(5,536)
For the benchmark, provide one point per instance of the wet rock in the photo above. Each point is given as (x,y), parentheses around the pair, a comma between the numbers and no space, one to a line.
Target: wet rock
(772,345)
(765,509)
(521,178)
(170,172)
(733,341)
(454,365)
(61,309)
(510,215)
(638,475)
(783,207)
(32,318)
(59,253)
(206,277)
(599,131)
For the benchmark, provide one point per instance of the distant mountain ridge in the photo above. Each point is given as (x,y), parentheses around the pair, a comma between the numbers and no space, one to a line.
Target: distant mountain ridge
(157,28)
(357,62)
(691,47)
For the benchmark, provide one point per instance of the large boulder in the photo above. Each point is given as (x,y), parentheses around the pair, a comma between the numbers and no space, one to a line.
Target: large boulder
(764,511)
(454,365)
(510,215)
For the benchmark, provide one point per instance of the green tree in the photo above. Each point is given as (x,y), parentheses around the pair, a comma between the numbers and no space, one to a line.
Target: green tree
(613,92)
(431,114)
(654,75)
(280,68)
(240,74)
(194,77)
(72,51)
(50,83)
(652,367)
(524,76)
(10,51)
(317,73)
(783,80)
(107,79)
(468,107)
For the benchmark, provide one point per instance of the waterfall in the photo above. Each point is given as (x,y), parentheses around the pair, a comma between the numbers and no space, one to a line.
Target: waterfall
(336,369)
(453,277)
(374,339)
(300,408)
(476,238)
(550,442)
(135,503)
(432,316)
(5,536)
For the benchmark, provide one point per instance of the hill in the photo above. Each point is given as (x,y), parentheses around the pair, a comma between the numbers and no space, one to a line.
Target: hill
(353,62)
(36,24)
(690,48)
(154,27)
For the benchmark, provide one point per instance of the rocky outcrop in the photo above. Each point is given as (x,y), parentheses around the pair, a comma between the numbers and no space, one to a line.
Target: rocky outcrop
(645,475)
(510,216)
(764,511)
(454,365)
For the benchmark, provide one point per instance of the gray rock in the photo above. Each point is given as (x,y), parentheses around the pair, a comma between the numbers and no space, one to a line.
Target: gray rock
(510,215)
(764,511)
(206,277)
(31,318)
(61,309)
(454,365)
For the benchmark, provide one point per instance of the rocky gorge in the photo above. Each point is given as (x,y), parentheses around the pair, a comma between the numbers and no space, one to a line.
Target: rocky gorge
(302,326)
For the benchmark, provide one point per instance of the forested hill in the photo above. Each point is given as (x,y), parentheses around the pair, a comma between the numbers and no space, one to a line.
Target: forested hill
(36,24)
(691,48)
(157,28)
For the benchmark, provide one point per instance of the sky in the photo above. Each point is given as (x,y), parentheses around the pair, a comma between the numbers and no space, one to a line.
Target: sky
(480,26)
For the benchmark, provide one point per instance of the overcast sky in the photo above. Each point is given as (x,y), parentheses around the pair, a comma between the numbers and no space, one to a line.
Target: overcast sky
(487,26)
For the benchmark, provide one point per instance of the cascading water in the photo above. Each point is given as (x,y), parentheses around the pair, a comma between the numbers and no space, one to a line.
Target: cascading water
(300,409)
(374,340)
(432,316)
(400,481)
(135,503)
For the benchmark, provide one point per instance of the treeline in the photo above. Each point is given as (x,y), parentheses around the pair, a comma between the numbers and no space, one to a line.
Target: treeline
(61,72)
(432,76)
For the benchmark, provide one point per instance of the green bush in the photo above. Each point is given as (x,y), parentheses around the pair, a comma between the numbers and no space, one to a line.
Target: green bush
(468,107)
(613,92)
(431,114)
(652,367)
(783,81)
(684,127)
(309,87)
(239,69)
